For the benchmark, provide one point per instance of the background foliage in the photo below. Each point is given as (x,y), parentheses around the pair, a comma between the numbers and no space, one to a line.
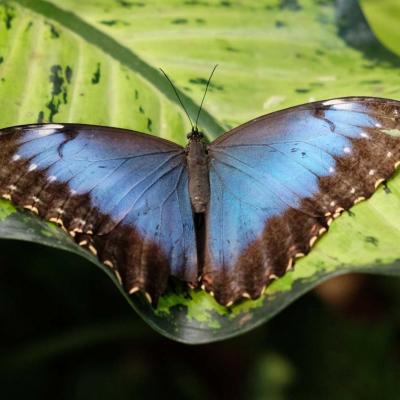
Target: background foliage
(95,62)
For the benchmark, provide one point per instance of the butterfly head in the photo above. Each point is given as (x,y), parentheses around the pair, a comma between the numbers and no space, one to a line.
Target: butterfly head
(195,135)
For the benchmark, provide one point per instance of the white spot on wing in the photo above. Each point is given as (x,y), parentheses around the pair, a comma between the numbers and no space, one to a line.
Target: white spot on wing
(32,167)
(364,135)
(80,221)
(331,170)
(48,129)
(339,104)
(15,157)
(52,126)
(347,150)
(371,172)
(332,102)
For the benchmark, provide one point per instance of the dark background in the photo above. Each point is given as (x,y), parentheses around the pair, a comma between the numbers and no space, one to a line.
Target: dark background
(68,333)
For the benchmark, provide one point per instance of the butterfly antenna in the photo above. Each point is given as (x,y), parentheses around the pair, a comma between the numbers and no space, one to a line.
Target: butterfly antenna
(177,95)
(204,95)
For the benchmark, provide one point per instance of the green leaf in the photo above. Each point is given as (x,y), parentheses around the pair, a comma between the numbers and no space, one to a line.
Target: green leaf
(96,61)
(383,17)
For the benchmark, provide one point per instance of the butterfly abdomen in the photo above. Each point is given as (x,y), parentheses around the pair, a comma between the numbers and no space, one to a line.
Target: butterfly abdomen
(199,185)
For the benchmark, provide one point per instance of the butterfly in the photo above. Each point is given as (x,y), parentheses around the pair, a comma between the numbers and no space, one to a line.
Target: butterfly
(230,216)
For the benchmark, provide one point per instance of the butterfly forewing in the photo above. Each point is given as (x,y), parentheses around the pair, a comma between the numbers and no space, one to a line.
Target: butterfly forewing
(279,180)
(121,194)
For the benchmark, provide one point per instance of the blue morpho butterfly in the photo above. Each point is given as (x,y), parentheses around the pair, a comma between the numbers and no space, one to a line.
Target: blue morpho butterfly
(229,216)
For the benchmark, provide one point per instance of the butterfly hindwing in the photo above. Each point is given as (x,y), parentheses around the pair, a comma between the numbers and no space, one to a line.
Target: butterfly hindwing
(121,194)
(278,181)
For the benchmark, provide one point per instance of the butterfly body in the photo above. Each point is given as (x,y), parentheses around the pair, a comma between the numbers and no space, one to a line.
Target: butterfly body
(198,171)
(265,191)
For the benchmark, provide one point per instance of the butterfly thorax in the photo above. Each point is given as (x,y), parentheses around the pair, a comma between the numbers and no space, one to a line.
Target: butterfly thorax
(197,163)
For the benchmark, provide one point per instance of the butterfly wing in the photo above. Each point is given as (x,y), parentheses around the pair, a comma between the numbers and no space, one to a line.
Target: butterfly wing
(279,180)
(121,194)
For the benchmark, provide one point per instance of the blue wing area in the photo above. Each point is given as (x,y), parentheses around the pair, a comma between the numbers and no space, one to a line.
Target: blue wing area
(278,181)
(122,194)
